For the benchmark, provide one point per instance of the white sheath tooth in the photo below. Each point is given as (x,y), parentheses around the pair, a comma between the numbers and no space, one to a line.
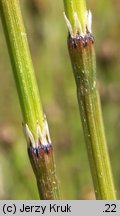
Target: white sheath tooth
(86,18)
(42,136)
(47,132)
(30,136)
(78,27)
(89,21)
(68,25)
(38,134)
(44,118)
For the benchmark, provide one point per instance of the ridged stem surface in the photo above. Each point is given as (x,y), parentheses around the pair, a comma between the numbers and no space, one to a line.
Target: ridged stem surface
(42,156)
(82,56)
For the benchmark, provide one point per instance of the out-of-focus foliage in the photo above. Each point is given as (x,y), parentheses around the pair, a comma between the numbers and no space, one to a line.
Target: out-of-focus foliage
(47,32)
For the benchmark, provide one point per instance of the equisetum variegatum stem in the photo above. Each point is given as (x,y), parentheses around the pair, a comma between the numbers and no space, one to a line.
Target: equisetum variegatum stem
(82,55)
(40,149)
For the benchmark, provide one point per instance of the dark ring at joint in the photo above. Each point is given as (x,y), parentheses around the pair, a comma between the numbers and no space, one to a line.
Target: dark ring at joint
(40,150)
(83,39)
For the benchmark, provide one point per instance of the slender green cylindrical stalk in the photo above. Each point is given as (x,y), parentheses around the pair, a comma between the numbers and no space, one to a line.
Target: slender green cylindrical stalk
(21,63)
(39,144)
(82,55)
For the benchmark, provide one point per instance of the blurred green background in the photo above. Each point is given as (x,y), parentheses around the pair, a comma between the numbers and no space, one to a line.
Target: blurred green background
(47,32)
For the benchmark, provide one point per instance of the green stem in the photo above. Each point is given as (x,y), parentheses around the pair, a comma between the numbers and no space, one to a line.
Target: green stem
(21,63)
(41,154)
(81,50)
(83,62)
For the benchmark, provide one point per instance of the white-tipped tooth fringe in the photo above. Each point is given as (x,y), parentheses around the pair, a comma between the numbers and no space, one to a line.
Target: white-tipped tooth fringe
(42,136)
(77,29)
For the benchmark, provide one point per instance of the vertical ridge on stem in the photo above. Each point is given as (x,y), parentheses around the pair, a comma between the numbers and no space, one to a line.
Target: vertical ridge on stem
(82,55)
(35,125)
